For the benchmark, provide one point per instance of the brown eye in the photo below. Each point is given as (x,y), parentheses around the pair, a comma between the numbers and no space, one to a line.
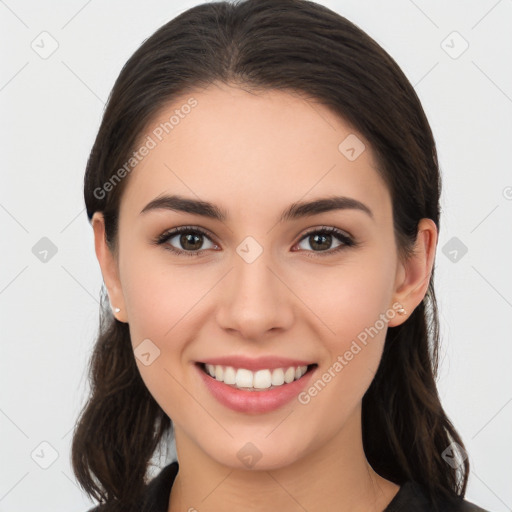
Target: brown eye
(321,240)
(190,240)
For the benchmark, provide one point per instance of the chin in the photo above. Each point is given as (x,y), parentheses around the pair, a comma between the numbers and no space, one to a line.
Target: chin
(255,455)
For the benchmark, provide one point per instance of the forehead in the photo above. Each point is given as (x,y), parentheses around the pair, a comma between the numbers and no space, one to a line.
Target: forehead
(237,148)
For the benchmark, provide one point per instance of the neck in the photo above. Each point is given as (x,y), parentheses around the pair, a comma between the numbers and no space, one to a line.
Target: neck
(335,477)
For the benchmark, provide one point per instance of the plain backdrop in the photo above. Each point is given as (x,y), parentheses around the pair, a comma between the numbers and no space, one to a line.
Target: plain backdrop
(456,54)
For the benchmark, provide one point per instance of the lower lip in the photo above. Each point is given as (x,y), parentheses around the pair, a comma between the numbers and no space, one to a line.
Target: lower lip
(254,401)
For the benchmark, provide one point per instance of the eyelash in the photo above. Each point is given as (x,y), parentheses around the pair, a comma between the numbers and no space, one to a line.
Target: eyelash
(340,235)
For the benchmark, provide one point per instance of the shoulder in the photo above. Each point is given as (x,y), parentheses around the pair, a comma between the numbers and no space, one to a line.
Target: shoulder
(413,496)
(156,494)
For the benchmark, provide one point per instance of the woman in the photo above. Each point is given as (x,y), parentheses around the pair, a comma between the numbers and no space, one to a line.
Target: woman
(264,194)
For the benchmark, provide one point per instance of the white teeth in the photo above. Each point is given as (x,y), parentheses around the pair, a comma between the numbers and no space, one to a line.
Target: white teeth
(229,375)
(261,379)
(277,377)
(244,378)
(289,375)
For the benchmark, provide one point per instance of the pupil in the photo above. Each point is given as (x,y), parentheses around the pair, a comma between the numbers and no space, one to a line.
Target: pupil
(324,237)
(185,239)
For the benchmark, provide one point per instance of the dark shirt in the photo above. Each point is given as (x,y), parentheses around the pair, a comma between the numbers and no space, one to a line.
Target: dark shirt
(411,497)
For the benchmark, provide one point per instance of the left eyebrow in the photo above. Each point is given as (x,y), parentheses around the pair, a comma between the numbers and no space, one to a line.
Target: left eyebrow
(294,211)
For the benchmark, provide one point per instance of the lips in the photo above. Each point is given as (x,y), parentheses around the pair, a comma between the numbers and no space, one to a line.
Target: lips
(255,401)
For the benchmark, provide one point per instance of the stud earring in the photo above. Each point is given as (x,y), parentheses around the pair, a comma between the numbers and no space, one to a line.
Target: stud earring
(402,311)
(115,310)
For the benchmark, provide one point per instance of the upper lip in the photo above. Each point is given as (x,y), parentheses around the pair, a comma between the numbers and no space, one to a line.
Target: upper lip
(259,363)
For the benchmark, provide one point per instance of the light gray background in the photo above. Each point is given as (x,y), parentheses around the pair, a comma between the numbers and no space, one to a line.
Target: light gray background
(50,112)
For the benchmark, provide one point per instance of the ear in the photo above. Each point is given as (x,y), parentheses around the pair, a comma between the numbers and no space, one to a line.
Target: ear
(413,275)
(109,267)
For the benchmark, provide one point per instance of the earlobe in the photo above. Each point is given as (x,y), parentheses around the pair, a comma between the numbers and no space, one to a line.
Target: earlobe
(109,267)
(413,275)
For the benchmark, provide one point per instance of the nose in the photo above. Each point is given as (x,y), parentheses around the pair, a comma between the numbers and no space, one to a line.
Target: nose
(254,299)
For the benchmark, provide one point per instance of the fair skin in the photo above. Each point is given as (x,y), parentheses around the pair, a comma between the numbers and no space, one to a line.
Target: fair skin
(253,155)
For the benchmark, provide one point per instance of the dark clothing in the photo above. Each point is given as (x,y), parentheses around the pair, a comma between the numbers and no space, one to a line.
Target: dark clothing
(410,498)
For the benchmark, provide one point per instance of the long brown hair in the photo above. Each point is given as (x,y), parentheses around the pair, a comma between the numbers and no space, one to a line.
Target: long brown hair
(287,45)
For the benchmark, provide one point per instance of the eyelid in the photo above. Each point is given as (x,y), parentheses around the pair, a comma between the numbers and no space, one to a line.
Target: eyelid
(179,229)
(328,229)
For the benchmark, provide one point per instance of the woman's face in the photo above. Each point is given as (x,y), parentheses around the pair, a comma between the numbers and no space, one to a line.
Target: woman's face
(258,285)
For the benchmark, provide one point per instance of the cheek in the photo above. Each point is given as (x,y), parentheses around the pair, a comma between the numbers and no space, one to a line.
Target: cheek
(351,298)
(354,302)
(161,301)
(161,297)
(354,306)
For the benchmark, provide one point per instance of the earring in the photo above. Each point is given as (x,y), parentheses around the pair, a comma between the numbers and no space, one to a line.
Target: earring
(402,311)
(117,310)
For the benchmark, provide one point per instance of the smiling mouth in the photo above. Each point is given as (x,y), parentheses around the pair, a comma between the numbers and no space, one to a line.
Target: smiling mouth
(260,380)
